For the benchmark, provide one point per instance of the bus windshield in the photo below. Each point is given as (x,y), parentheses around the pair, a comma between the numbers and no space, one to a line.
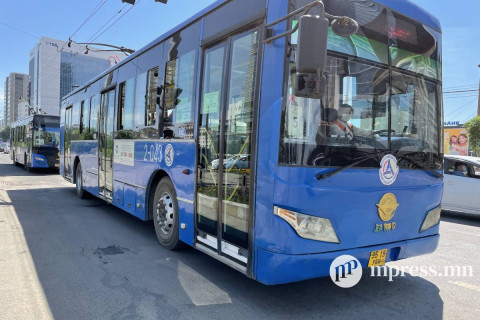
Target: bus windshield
(384,100)
(43,137)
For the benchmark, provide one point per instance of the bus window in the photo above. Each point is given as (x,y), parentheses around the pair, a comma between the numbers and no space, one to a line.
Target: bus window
(140,100)
(126,102)
(83,117)
(179,93)
(152,96)
(94,103)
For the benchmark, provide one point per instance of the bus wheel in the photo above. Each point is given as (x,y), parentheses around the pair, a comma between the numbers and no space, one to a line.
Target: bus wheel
(25,164)
(14,160)
(82,194)
(165,215)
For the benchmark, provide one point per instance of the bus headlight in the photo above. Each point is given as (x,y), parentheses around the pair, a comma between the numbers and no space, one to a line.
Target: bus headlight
(308,227)
(432,219)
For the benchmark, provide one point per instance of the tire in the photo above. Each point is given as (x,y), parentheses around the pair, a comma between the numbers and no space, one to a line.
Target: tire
(14,161)
(165,215)
(81,193)
(25,164)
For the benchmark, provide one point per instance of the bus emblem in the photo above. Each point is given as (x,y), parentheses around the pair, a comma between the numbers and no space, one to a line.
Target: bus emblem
(387,207)
(169,155)
(388,170)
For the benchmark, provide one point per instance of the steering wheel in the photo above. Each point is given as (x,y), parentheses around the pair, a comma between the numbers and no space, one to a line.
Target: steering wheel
(382,131)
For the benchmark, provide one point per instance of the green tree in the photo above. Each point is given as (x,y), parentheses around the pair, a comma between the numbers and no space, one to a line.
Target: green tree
(473,127)
(5,134)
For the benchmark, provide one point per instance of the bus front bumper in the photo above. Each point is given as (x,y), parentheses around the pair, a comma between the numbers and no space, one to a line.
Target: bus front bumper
(276,268)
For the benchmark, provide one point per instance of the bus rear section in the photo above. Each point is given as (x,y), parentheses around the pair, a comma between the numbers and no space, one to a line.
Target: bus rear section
(35,142)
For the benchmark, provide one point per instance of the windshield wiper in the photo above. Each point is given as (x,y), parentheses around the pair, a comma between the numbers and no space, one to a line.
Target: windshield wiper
(356,161)
(421,166)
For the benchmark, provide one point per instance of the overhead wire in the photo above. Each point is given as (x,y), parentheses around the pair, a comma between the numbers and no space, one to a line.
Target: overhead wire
(461,108)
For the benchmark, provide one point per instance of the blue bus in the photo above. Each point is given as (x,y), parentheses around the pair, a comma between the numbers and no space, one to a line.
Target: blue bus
(273,136)
(34,142)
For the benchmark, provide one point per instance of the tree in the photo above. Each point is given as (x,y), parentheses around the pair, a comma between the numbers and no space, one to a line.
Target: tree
(473,127)
(5,134)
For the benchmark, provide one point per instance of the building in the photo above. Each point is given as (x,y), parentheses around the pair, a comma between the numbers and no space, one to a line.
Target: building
(16,90)
(56,68)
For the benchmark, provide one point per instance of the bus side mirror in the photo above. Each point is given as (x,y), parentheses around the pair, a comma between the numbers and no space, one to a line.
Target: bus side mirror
(311,56)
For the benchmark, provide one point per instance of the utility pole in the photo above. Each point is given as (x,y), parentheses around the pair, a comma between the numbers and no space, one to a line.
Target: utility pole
(478,110)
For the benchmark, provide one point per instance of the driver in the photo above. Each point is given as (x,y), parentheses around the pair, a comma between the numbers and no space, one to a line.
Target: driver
(342,128)
(460,170)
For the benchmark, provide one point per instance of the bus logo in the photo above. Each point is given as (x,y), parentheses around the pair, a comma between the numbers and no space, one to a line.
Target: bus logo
(346,271)
(169,155)
(387,207)
(388,170)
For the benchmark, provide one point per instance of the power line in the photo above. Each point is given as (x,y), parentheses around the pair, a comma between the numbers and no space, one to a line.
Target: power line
(111,25)
(18,30)
(460,91)
(468,104)
(99,5)
(110,20)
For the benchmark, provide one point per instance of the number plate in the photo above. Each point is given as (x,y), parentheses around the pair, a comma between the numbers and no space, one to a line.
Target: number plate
(377,258)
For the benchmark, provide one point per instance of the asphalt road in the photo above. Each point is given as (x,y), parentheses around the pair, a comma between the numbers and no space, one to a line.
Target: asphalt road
(66,258)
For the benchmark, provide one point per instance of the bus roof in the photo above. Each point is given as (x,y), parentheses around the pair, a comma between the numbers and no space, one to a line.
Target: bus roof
(404,7)
(33,116)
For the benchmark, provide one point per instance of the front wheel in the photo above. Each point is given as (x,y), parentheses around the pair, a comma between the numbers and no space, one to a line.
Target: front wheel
(165,215)
(14,161)
(82,194)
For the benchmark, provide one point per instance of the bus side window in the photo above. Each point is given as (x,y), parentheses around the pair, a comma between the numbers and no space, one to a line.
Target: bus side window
(83,117)
(179,94)
(94,104)
(151,111)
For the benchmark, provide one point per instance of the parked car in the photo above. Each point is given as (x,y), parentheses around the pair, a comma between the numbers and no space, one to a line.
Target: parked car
(6,149)
(238,161)
(461,184)
(3,147)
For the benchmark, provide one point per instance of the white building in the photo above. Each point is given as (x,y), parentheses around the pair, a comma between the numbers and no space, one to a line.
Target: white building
(16,89)
(56,69)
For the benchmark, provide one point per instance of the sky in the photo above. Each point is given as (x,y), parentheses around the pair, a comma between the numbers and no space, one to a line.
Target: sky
(23,22)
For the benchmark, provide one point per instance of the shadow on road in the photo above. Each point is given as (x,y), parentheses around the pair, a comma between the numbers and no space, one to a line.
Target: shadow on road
(95,261)
(19,171)
(467,219)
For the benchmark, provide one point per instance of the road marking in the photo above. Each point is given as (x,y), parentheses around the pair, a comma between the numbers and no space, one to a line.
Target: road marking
(466,285)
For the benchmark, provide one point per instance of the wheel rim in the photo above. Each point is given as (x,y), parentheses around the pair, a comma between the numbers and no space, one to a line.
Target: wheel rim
(165,216)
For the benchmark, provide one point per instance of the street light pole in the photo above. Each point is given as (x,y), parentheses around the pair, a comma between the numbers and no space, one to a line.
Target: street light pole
(478,110)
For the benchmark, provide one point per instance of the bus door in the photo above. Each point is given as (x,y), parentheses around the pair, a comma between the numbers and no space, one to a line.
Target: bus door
(66,143)
(224,150)
(105,145)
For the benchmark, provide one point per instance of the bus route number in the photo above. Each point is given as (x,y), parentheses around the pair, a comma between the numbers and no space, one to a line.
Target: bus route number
(153,153)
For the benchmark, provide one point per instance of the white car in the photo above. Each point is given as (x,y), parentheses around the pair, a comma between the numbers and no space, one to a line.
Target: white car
(461,187)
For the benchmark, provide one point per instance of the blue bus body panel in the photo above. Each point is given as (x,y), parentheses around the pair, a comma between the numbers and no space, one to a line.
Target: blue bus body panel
(290,268)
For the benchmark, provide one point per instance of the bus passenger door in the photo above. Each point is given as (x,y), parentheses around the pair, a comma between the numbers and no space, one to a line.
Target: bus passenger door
(105,145)
(224,184)
(66,143)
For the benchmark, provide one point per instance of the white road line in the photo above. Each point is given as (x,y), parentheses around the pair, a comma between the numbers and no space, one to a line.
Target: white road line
(466,285)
